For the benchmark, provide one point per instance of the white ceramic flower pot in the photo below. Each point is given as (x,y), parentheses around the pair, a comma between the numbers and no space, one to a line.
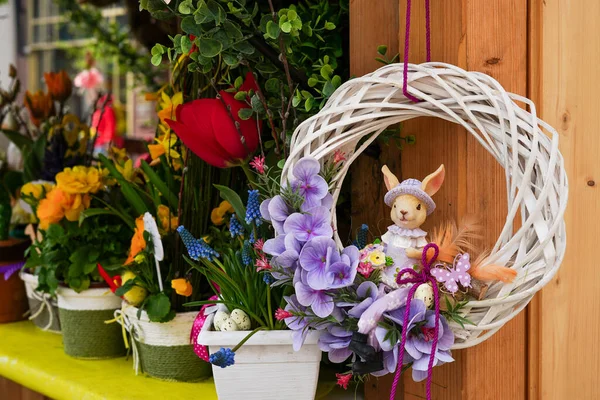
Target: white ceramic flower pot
(266,366)
(44,308)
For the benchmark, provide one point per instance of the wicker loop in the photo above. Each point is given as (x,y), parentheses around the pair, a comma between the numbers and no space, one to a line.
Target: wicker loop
(536,180)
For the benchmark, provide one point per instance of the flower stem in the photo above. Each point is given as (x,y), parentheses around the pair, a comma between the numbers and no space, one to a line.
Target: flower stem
(249,175)
(244,340)
(270,308)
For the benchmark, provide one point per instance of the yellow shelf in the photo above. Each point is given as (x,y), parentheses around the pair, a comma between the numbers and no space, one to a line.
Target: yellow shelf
(35,359)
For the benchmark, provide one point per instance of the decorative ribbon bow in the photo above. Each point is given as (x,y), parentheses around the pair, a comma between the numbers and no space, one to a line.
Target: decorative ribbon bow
(46,303)
(418,279)
(128,328)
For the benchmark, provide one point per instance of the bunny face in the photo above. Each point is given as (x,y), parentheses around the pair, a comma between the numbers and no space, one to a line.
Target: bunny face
(408,212)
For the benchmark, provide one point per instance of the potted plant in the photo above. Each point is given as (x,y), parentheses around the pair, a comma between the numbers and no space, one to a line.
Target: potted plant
(152,286)
(65,260)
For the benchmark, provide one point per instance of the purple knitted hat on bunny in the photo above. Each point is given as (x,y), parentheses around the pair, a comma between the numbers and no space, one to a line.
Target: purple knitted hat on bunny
(412,187)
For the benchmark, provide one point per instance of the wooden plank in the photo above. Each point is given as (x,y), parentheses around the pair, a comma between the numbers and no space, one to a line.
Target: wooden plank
(10,390)
(569,324)
(370,26)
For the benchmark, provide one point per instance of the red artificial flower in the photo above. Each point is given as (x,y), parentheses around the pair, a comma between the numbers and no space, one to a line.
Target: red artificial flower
(258,163)
(259,244)
(262,264)
(206,127)
(338,156)
(343,380)
(282,314)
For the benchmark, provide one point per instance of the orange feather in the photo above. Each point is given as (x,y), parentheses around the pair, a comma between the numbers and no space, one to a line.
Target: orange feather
(452,240)
(491,272)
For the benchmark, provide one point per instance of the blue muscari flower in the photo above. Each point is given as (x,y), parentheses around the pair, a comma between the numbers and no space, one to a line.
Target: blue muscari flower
(197,248)
(252,239)
(246,254)
(361,237)
(253,208)
(268,278)
(222,358)
(235,228)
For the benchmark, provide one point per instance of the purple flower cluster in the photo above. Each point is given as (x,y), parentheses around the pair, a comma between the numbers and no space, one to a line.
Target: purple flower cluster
(303,250)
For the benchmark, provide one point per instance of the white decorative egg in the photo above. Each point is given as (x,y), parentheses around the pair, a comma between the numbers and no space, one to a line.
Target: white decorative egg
(425,294)
(229,325)
(241,319)
(220,318)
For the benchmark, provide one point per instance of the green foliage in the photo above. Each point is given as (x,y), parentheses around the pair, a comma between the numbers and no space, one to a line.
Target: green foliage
(71,251)
(453,312)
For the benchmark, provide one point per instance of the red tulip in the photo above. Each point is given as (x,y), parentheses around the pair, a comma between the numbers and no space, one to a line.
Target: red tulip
(206,128)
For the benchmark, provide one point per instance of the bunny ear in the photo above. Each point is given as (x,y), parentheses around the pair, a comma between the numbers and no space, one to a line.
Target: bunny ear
(390,179)
(432,183)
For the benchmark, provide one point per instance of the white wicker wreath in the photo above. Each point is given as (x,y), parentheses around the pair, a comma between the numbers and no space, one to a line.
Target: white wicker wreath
(535,176)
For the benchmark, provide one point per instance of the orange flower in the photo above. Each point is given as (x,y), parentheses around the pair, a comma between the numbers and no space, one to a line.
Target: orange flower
(50,210)
(138,243)
(40,106)
(59,85)
(217,216)
(182,287)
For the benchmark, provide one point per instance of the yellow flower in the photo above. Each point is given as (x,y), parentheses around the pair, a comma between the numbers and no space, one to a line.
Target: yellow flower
(167,220)
(126,170)
(377,258)
(182,287)
(118,155)
(74,204)
(217,216)
(36,191)
(165,145)
(138,243)
(80,180)
(168,105)
(136,295)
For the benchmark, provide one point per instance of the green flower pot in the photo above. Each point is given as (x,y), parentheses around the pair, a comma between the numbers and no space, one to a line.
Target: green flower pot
(164,349)
(82,319)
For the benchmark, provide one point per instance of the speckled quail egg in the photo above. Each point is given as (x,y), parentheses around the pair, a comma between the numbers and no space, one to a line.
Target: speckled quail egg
(425,294)
(241,319)
(229,325)
(220,318)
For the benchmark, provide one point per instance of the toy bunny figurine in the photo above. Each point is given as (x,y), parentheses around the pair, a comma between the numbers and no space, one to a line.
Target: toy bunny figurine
(411,204)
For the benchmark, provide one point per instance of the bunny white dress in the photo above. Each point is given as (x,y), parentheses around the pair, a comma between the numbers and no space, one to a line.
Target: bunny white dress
(396,241)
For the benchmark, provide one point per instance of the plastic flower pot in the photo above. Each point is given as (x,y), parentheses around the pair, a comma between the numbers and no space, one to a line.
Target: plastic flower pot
(165,351)
(44,308)
(13,299)
(266,366)
(82,319)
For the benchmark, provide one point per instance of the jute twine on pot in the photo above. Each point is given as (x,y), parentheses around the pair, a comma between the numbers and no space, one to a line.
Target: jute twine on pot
(82,316)
(164,350)
(43,308)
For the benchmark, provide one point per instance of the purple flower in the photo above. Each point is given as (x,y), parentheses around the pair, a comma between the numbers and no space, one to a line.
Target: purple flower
(299,322)
(310,225)
(344,271)
(275,210)
(367,292)
(315,258)
(335,342)
(285,250)
(308,183)
(319,301)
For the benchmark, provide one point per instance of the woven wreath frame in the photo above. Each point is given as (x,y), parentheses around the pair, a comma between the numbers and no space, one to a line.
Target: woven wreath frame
(524,145)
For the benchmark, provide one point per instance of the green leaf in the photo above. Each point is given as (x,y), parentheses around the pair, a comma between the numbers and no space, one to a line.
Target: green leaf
(232,30)
(161,186)
(336,81)
(286,27)
(328,89)
(292,15)
(186,44)
(231,60)
(273,30)
(156,60)
(209,47)
(309,103)
(239,81)
(21,141)
(312,82)
(326,71)
(189,26)
(244,47)
(296,101)
(245,113)
(217,12)
(272,85)
(329,26)
(382,49)
(185,7)
(126,287)
(241,96)
(158,307)
(234,199)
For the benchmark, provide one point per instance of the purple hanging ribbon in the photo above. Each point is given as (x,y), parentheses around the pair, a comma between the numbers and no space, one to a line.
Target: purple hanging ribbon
(418,279)
(407,42)
(10,269)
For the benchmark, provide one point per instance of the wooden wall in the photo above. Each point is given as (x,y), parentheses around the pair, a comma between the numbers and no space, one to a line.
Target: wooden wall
(547,50)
